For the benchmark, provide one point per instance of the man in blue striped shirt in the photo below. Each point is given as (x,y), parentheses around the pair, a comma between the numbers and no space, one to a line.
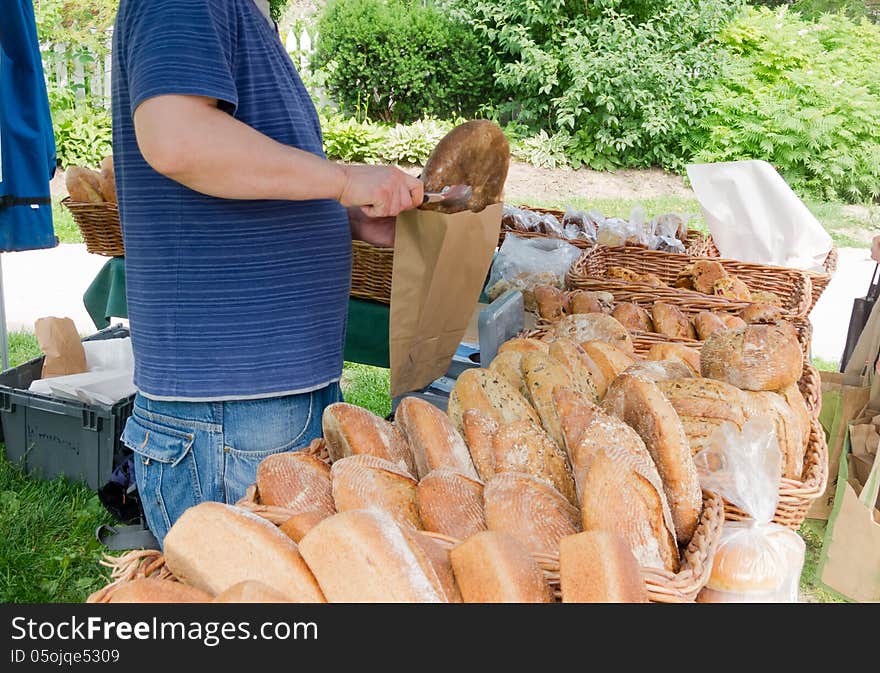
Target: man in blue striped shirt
(238,246)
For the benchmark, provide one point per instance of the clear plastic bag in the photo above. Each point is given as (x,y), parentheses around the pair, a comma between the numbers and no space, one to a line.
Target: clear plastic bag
(615,232)
(757,561)
(524,263)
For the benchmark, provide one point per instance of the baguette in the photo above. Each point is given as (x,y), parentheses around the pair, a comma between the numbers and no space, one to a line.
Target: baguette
(524,447)
(641,405)
(479,431)
(250,591)
(155,590)
(351,431)
(366,481)
(492,567)
(433,440)
(530,510)
(757,357)
(451,503)
(593,327)
(296,481)
(363,556)
(491,395)
(598,567)
(213,546)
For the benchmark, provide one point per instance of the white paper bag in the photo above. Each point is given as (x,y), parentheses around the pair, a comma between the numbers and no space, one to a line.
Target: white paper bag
(754,216)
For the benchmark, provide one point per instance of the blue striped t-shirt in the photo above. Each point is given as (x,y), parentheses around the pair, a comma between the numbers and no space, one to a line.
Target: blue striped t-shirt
(227,299)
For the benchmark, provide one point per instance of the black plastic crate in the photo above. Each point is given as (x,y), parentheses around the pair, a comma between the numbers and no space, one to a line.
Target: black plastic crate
(48,436)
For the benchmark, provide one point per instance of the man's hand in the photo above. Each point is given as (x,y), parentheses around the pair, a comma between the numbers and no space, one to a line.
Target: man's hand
(381,191)
(378,231)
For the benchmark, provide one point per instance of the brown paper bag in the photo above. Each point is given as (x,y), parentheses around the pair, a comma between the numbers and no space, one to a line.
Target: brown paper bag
(440,264)
(59,340)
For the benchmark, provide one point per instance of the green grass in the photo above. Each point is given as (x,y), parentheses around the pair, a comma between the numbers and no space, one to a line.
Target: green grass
(65,228)
(22,347)
(849,227)
(826,365)
(812,531)
(368,387)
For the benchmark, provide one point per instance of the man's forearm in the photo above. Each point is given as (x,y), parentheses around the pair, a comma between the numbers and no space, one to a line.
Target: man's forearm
(191,141)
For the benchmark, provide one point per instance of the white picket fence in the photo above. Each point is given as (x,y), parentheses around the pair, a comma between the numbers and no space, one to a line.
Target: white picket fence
(89,75)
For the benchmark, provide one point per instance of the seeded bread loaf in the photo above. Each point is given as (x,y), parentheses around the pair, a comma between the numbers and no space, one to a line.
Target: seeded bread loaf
(756,357)
(594,326)
(488,393)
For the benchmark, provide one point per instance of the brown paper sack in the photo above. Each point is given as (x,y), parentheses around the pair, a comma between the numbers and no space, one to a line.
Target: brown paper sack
(440,264)
(59,340)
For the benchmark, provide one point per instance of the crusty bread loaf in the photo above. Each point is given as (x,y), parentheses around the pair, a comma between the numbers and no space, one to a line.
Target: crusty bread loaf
(795,398)
(431,554)
(479,431)
(702,406)
(642,406)
(451,503)
(583,327)
(433,440)
(705,274)
(552,302)
(363,556)
(488,393)
(734,322)
(582,301)
(492,567)
(522,446)
(790,431)
(670,321)
(108,180)
(542,374)
(599,567)
(659,370)
(352,431)
(530,510)
(523,346)
(575,414)
(633,317)
(213,546)
(611,360)
(766,298)
(298,525)
(676,353)
(155,590)
(586,374)
(83,185)
(250,591)
(755,314)
(623,494)
(296,481)
(757,357)
(506,365)
(732,288)
(707,323)
(631,276)
(367,481)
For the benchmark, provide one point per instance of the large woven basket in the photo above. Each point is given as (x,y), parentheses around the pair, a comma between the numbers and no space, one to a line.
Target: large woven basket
(99,225)
(793,287)
(695,245)
(819,279)
(371,270)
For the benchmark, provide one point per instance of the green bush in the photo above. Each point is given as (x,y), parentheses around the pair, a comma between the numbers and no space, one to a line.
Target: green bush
(620,78)
(351,140)
(83,134)
(414,143)
(803,96)
(398,61)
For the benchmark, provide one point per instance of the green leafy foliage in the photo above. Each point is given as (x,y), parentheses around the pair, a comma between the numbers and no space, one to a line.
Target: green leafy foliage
(413,143)
(399,60)
(803,96)
(619,77)
(543,150)
(351,140)
(347,139)
(83,135)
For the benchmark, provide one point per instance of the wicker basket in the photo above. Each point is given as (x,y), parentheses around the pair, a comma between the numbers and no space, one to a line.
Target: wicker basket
(99,224)
(819,279)
(662,585)
(793,287)
(696,244)
(371,270)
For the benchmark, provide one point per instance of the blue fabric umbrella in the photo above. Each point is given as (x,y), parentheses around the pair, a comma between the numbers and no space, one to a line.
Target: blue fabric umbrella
(27,143)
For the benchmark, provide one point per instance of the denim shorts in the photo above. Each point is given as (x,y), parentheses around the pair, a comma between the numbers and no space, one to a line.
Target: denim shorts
(190,452)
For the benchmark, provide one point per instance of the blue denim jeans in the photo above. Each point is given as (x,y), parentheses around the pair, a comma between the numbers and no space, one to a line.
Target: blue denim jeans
(190,452)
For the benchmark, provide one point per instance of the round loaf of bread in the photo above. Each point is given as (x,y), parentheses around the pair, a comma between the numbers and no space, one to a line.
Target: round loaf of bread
(594,327)
(676,353)
(552,302)
(757,357)
(659,370)
(583,301)
(707,323)
(672,322)
(633,317)
(762,314)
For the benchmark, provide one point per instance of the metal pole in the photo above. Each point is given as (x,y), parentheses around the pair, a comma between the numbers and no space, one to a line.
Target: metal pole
(4,338)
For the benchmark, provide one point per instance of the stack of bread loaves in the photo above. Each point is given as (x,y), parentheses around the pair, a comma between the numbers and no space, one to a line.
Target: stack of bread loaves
(87,186)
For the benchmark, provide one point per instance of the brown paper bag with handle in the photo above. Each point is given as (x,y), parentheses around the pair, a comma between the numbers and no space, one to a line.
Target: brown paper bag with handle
(440,264)
(59,340)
